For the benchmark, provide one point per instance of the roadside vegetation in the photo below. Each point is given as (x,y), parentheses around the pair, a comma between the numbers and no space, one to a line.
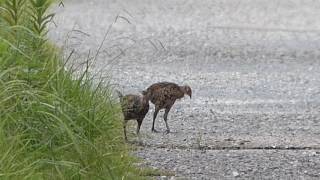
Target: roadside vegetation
(52,126)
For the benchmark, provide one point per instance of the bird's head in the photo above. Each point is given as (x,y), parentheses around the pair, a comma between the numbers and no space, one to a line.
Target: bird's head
(187,90)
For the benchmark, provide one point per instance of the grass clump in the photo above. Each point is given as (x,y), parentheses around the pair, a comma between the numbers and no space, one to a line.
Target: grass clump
(52,126)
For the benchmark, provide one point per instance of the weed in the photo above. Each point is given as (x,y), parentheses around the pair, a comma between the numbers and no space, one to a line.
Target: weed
(52,125)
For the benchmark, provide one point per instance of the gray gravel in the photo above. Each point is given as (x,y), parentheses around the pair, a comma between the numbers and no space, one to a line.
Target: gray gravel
(235,164)
(252,65)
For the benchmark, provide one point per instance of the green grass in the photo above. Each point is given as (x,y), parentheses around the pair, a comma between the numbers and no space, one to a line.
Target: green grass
(52,126)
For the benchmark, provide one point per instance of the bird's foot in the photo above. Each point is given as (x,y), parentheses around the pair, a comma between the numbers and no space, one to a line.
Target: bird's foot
(154,131)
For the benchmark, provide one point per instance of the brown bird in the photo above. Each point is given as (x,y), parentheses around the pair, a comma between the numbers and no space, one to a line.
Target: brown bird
(134,107)
(163,95)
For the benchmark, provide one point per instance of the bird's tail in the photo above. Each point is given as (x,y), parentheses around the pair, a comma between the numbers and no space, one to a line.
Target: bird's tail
(119,94)
(145,94)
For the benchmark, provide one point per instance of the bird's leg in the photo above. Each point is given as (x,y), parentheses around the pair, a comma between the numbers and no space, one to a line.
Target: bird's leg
(138,130)
(154,118)
(139,125)
(125,130)
(165,117)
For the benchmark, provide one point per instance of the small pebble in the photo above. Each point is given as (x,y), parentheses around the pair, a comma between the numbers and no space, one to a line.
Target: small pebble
(235,174)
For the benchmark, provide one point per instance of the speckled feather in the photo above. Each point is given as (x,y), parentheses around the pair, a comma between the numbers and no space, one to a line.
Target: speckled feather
(164,94)
(134,106)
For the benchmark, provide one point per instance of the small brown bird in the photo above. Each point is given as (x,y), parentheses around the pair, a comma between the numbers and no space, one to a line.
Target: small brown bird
(134,107)
(163,95)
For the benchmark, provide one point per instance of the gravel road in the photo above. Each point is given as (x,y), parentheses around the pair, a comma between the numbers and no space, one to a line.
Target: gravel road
(253,66)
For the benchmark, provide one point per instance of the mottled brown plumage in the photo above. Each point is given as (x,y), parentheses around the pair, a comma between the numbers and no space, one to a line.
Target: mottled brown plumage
(134,107)
(163,95)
